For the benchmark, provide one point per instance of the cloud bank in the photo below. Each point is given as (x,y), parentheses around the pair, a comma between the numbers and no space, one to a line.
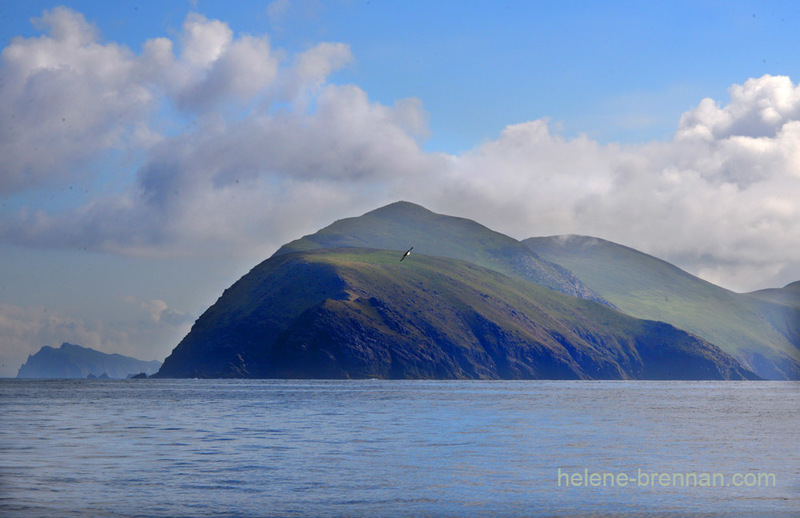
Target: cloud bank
(243,147)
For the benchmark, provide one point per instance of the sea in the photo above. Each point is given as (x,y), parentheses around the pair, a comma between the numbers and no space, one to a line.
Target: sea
(378,448)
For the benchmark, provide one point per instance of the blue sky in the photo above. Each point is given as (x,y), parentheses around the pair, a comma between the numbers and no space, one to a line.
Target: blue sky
(615,70)
(158,150)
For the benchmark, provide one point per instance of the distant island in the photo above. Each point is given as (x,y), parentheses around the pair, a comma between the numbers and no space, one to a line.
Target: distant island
(73,361)
(472,303)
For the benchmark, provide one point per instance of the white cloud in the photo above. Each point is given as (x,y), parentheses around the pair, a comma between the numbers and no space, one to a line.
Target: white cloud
(720,199)
(25,329)
(156,311)
(213,66)
(204,41)
(273,150)
(316,64)
(758,108)
(64,98)
(67,26)
(244,183)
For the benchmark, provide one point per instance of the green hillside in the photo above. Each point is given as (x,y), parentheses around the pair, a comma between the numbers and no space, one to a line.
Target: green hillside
(788,296)
(758,329)
(781,308)
(401,225)
(356,312)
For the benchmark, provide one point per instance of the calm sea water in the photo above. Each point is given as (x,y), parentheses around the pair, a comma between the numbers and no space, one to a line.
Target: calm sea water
(397,448)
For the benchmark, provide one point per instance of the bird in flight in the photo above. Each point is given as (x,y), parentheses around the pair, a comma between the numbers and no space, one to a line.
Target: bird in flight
(408,252)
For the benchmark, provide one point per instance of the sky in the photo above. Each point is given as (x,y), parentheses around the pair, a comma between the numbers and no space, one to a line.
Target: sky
(154,152)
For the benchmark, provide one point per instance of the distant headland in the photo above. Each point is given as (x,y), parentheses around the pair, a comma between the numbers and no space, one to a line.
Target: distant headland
(73,361)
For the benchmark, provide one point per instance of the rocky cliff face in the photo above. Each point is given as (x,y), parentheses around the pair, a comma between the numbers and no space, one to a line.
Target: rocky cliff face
(357,313)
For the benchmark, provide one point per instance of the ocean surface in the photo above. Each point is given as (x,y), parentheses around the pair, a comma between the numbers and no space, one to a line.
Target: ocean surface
(398,448)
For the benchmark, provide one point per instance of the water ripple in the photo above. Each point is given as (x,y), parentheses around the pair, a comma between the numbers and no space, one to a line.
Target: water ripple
(158,448)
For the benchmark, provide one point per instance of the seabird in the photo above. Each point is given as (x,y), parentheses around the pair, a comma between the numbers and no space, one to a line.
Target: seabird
(408,252)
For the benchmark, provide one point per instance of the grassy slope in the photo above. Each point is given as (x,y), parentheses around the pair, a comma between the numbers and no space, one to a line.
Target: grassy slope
(646,287)
(360,313)
(788,296)
(401,225)
(781,307)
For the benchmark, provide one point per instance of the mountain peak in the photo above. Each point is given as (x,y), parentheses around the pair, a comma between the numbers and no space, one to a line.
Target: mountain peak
(66,346)
(402,224)
(400,206)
